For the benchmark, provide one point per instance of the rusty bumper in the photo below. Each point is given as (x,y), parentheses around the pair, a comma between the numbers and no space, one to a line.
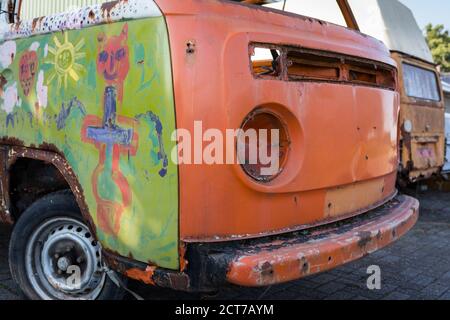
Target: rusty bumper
(277,259)
(326,249)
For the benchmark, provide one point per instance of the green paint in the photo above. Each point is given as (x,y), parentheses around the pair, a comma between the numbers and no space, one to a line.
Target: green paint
(149,225)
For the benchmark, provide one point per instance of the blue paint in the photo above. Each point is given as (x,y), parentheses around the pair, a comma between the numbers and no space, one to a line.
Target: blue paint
(10,120)
(110,133)
(65,112)
(152,118)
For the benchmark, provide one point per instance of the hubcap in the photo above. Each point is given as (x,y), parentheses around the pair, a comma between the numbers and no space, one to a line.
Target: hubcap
(63,261)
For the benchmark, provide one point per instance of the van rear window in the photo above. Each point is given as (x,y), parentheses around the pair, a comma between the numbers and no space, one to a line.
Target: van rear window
(420,83)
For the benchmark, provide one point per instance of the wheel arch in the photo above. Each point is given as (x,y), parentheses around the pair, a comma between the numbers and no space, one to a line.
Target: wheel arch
(11,156)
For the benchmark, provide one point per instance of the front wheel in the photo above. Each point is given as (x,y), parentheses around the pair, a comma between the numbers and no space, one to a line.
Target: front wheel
(53,255)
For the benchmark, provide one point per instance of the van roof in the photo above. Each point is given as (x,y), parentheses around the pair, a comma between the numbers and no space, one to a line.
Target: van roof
(393,23)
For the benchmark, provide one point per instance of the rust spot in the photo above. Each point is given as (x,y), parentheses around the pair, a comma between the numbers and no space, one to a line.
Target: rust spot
(11,141)
(145,276)
(91,15)
(379,235)
(107,7)
(17,25)
(365,238)
(3,82)
(183,261)
(190,47)
(266,270)
(394,233)
(50,147)
(304,265)
(34,24)
(5,218)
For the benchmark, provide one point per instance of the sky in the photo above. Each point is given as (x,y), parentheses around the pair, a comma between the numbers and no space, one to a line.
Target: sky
(426,11)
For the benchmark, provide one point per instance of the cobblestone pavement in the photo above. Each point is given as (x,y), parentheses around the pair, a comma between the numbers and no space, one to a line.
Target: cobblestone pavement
(416,267)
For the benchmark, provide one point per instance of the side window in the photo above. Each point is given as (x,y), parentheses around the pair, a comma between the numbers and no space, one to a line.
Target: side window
(265,61)
(420,83)
(326,10)
(31,9)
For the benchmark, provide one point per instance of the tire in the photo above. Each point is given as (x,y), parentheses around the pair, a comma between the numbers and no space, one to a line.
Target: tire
(49,239)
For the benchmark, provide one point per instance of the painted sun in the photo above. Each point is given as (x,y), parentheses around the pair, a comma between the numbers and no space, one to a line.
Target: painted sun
(64,57)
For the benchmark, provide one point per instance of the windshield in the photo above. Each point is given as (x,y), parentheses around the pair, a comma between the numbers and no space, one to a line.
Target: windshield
(333,11)
(326,10)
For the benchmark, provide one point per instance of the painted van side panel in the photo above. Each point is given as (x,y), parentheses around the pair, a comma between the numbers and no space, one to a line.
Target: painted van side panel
(103,97)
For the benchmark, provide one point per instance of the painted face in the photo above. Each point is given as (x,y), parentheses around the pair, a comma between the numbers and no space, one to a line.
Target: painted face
(27,71)
(113,61)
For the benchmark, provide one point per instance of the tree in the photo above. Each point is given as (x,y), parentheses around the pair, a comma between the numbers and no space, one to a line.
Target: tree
(439,42)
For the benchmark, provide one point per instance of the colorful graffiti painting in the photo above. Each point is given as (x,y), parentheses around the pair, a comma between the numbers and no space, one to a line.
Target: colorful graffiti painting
(113,60)
(80,92)
(28,66)
(112,141)
(65,112)
(65,60)
(152,118)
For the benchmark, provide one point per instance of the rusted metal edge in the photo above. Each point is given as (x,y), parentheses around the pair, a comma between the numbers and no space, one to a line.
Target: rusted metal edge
(147,274)
(5,213)
(12,151)
(404,54)
(326,249)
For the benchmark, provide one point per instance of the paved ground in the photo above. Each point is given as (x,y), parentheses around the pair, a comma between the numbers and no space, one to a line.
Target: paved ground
(416,267)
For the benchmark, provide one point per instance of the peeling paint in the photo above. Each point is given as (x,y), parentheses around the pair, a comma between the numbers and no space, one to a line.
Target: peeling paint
(7,53)
(42,91)
(295,259)
(145,276)
(10,98)
(85,17)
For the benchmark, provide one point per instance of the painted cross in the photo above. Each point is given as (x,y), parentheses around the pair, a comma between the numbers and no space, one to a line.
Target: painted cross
(110,187)
(110,134)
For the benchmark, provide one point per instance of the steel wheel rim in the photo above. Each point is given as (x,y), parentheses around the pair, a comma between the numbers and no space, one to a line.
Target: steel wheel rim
(56,251)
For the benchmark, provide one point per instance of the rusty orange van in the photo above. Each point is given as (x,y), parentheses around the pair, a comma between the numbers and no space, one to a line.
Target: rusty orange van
(90,99)
(422,108)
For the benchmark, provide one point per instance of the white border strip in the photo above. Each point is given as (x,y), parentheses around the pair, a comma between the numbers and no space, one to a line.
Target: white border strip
(83,17)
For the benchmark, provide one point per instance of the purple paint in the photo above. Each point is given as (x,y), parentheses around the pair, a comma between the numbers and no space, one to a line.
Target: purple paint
(64,113)
(110,133)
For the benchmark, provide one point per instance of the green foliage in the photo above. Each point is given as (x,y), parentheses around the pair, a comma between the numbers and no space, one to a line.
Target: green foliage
(439,42)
